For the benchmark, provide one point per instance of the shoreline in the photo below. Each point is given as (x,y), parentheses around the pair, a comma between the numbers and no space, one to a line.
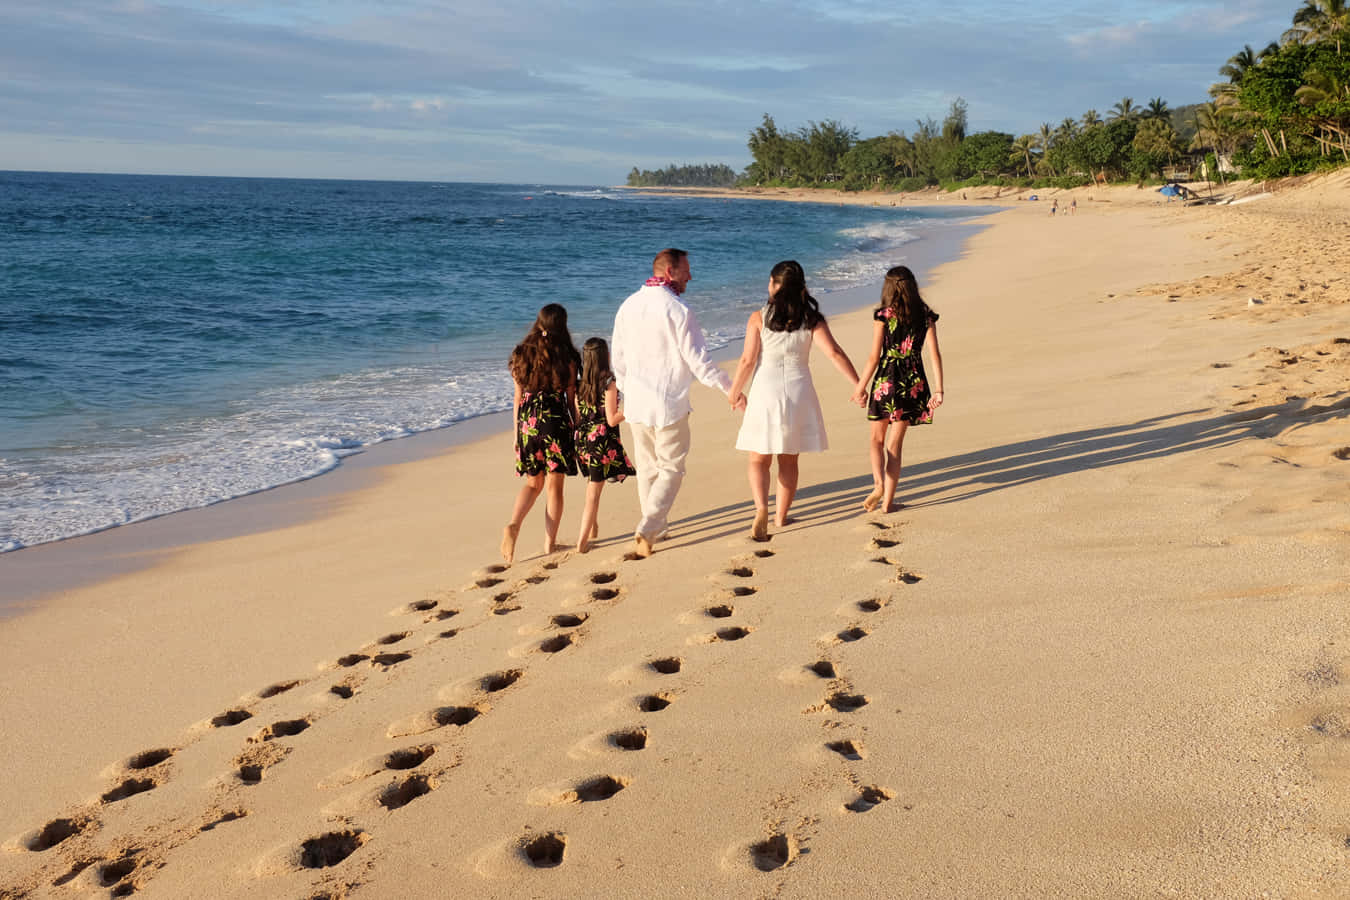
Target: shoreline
(41,570)
(1100,651)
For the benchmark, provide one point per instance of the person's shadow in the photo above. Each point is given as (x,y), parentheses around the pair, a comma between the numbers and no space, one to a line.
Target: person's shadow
(970,475)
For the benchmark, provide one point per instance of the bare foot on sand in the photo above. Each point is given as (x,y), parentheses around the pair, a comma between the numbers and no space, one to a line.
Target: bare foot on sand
(759,531)
(785,521)
(873,500)
(509,535)
(642,547)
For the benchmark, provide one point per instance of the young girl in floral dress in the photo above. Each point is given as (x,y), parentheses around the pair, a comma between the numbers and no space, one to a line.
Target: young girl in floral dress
(544,367)
(898,394)
(599,450)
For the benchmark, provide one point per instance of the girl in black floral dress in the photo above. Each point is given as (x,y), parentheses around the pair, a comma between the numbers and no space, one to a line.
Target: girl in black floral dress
(599,450)
(898,394)
(544,367)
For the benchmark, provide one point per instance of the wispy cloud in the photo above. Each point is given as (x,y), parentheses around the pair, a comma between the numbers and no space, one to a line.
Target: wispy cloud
(523,90)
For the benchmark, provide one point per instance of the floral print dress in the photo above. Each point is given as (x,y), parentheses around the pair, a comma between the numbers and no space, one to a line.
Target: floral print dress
(599,450)
(899,390)
(544,441)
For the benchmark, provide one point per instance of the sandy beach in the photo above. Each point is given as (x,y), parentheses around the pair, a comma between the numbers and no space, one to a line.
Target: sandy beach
(1102,651)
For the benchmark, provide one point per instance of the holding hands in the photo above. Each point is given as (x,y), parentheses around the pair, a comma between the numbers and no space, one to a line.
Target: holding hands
(737,400)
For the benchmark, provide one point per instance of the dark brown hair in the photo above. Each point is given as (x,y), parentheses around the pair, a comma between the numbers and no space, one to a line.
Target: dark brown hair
(791,306)
(900,294)
(595,372)
(546,360)
(668,258)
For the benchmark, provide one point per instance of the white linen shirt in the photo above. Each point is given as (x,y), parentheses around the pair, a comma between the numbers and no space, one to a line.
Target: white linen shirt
(657,350)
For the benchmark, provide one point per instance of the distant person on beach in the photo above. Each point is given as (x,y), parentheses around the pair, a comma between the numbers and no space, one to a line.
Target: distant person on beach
(782,413)
(1073,205)
(1054,206)
(600,454)
(894,384)
(544,368)
(658,351)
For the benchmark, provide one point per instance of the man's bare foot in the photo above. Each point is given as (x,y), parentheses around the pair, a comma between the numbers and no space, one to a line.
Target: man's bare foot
(509,535)
(759,530)
(873,500)
(642,547)
(785,521)
(551,547)
(584,544)
(894,506)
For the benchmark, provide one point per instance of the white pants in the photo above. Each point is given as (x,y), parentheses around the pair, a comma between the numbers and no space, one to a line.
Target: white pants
(659,455)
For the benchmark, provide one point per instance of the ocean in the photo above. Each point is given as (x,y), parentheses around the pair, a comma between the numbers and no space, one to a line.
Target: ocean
(171,342)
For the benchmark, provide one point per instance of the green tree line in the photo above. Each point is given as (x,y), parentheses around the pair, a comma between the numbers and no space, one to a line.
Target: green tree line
(716,175)
(1281,110)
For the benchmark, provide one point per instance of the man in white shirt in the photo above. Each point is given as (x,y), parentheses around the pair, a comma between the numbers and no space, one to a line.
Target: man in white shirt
(657,351)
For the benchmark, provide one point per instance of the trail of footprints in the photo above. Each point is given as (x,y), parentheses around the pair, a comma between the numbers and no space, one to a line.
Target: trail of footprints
(127,870)
(782,847)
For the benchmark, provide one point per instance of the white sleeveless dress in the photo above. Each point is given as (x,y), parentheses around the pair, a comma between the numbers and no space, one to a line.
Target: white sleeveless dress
(782,412)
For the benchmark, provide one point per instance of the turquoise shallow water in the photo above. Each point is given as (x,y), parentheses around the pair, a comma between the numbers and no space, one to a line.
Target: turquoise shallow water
(169,342)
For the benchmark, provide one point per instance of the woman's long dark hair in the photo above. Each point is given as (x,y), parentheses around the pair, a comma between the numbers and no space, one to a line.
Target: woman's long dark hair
(595,372)
(546,360)
(791,306)
(900,294)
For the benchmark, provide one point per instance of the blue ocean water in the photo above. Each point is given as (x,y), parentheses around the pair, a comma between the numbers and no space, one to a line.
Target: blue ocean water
(170,342)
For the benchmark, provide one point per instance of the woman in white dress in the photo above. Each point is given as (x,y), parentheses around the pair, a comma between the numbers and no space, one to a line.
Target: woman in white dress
(782,413)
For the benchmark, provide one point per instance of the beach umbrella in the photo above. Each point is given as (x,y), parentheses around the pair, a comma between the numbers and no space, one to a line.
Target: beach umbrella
(1169,190)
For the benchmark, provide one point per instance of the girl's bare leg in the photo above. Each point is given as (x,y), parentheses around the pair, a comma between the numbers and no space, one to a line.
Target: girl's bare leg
(758,472)
(525,497)
(876,451)
(553,509)
(894,443)
(787,486)
(589,514)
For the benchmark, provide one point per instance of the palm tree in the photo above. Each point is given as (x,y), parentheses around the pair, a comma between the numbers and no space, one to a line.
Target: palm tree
(1217,129)
(1045,139)
(1157,109)
(1067,130)
(1021,151)
(1323,87)
(1125,109)
(1318,20)
(1090,118)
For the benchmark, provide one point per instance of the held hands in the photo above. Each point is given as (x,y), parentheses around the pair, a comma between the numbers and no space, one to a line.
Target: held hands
(860,394)
(935,400)
(737,400)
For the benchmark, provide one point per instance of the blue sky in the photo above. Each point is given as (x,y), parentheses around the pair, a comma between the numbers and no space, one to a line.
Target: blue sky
(572,92)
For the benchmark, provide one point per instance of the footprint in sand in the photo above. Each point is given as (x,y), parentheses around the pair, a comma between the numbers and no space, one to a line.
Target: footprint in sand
(603,577)
(129,788)
(345,690)
(629,739)
(56,831)
(880,543)
(722,611)
(111,873)
(741,572)
(394,638)
(733,633)
(401,793)
(603,594)
(459,716)
(330,849)
(847,749)
(569,620)
(544,851)
(556,644)
(775,852)
(280,687)
(824,669)
(231,717)
(844,702)
(288,728)
(668,665)
(448,633)
(499,681)
(536,579)
(252,765)
(655,702)
(418,606)
(764,554)
(849,635)
(744,591)
(231,816)
(871,797)
(872,605)
(388,660)
(149,759)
